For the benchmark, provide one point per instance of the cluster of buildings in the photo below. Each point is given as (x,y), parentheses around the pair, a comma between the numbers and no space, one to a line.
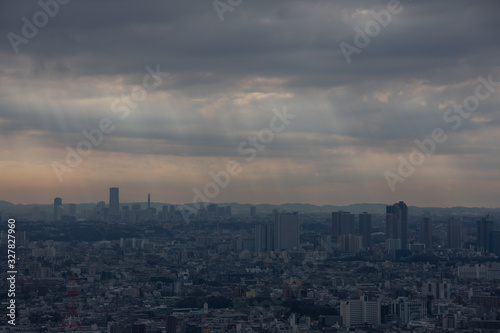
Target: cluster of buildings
(134,212)
(110,269)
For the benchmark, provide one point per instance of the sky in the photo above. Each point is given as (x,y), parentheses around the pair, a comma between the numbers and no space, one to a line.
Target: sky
(256,101)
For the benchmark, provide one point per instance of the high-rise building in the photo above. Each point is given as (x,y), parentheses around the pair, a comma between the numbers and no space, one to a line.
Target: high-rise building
(135,212)
(253,211)
(408,309)
(358,312)
(365,229)
(60,213)
(164,212)
(397,223)
(454,232)
(370,311)
(270,230)
(484,227)
(401,211)
(335,225)
(438,290)
(426,232)
(494,246)
(57,204)
(261,238)
(351,312)
(150,211)
(449,321)
(172,211)
(114,202)
(391,223)
(342,224)
(349,243)
(393,244)
(125,213)
(287,231)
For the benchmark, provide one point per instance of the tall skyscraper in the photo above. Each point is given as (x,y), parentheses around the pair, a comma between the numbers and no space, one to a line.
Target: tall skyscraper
(397,223)
(401,211)
(57,204)
(342,224)
(261,238)
(114,203)
(494,246)
(150,211)
(426,232)
(365,229)
(287,231)
(484,228)
(391,225)
(454,232)
(272,230)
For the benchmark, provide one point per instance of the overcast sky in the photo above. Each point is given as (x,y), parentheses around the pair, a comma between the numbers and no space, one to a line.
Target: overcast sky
(354,120)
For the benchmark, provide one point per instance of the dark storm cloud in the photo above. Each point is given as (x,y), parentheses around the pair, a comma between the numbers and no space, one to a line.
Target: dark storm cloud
(226,77)
(296,39)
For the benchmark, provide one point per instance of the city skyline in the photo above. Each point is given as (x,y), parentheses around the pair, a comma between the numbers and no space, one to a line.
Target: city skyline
(250,166)
(143,198)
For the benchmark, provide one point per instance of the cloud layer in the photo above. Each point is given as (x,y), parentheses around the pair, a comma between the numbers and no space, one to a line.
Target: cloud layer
(352,121)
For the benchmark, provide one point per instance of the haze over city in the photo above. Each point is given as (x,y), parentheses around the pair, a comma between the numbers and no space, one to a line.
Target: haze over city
(355,113)
(250,166)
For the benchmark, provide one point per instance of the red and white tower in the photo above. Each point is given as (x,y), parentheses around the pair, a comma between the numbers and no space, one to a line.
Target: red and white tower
(71,322)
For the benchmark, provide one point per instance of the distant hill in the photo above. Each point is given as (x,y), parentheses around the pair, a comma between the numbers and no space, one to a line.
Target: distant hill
(8,208)
(5,204)
(362,207)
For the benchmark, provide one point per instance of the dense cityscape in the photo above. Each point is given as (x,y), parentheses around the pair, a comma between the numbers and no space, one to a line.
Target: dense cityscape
(250,166)
(232,268)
